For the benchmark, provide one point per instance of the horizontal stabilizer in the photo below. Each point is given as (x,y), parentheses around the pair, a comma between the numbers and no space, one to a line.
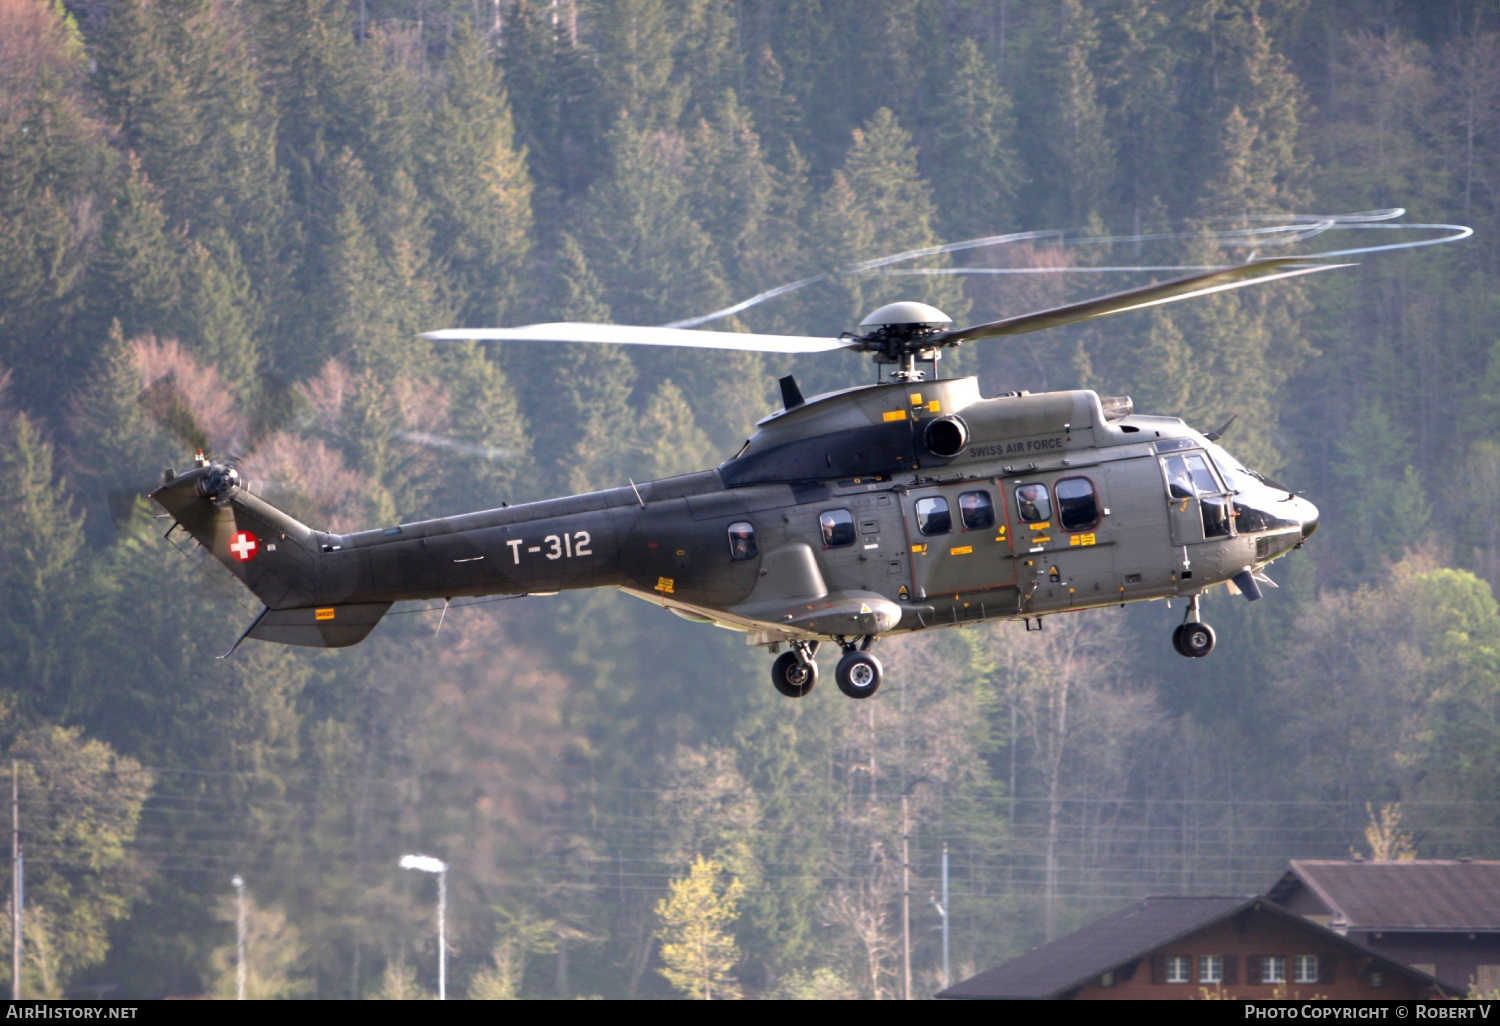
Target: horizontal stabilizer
(320,626)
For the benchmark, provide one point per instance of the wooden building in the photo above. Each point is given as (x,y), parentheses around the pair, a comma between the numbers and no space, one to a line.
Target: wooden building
(1441,916)
(1190,947)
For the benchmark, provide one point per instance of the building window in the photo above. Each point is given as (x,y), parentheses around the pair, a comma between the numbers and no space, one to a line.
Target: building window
(1377,979)
(1107,979)
(1210,968)
(1179,969)
(1273,969)
(933,516)
(1077,509)
(741,541)
(977,510)
(1305,969)
(838,528)
(1033,503)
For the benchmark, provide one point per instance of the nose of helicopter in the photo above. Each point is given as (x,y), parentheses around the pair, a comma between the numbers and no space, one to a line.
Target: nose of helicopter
(1307,513)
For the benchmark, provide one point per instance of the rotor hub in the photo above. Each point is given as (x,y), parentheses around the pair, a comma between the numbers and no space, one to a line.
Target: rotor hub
(901,334)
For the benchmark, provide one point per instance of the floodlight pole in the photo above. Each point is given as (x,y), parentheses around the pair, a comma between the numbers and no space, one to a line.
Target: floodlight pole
(443,934)
(905,899)
(428,864)
(947,979)
(240,969)
(16,879)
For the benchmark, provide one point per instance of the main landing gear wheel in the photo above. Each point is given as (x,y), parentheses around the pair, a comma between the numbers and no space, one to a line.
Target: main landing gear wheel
(858,674)
(793,676)
(1194,640)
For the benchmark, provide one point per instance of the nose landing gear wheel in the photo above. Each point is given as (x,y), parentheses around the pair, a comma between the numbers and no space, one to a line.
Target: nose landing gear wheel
(1194,640)
(858,674)
(793,677)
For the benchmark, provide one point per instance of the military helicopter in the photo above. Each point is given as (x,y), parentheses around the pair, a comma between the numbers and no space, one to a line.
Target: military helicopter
(905,505)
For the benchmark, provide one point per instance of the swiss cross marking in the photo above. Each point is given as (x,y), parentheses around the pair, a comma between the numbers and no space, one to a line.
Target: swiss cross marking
(244,546)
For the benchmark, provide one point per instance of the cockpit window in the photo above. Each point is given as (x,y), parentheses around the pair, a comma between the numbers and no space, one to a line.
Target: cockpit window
(1231,469)
(1033,503)
(933,516)
(977,511)
(838,528)
(1189,477)
(1203,478)
(742,541)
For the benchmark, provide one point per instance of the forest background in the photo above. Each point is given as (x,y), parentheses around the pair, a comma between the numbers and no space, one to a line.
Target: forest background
(239,193)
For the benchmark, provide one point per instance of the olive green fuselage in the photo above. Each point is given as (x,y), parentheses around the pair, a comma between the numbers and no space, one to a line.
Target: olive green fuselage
(829,523)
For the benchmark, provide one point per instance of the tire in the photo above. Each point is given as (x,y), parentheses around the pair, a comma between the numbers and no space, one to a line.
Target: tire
(1177,641)
(858,674)
(1196,639)
(791,676)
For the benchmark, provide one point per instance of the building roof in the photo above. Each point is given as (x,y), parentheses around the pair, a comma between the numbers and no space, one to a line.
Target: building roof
(1097,948)
(1133,933)
(1438,895)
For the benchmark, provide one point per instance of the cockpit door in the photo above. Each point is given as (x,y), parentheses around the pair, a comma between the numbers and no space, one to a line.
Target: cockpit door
(1198,505)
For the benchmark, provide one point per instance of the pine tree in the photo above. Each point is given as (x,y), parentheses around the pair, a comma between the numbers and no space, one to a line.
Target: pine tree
(731,187)
(975,169)
(696,947)
(879,205)
(137,276)
(42,568)
(1073,162)
(1255,163)
(54,170)
(221,316)
(1136,66)
(481,191)
(583,430)
(669,439)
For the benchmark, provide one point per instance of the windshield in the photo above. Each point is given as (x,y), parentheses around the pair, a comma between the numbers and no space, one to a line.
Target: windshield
(1233,471)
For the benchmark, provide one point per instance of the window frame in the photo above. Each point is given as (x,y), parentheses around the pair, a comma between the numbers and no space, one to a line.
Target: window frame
(1272,968)
(1093,492)
(754,546)
(823,528)
(1047,493)
(917,512)
(1210,968)
(1174,963)
(1299,963)
(963,514)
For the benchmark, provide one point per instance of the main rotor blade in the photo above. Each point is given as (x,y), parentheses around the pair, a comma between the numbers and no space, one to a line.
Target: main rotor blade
(1253,273)
(629,335)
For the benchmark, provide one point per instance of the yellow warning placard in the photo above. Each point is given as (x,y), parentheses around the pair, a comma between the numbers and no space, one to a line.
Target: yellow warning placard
(961,550)
(1081,539)
(891,415)
(324,614)
(665,585)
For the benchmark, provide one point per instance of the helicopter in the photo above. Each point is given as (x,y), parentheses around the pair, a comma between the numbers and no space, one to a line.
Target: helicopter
(906,505)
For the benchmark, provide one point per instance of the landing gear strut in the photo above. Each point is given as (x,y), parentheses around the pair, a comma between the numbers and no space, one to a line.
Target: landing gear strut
(794,673)
(858,673)
(1193,638)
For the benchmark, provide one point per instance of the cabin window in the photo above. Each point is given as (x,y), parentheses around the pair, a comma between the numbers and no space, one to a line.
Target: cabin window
(742,541)
(1305,969)
(838,528)
(1210,968)
(933,516)
(1033,503)
(1273,969)
(1179,969)
(977,511)
(1077,506)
